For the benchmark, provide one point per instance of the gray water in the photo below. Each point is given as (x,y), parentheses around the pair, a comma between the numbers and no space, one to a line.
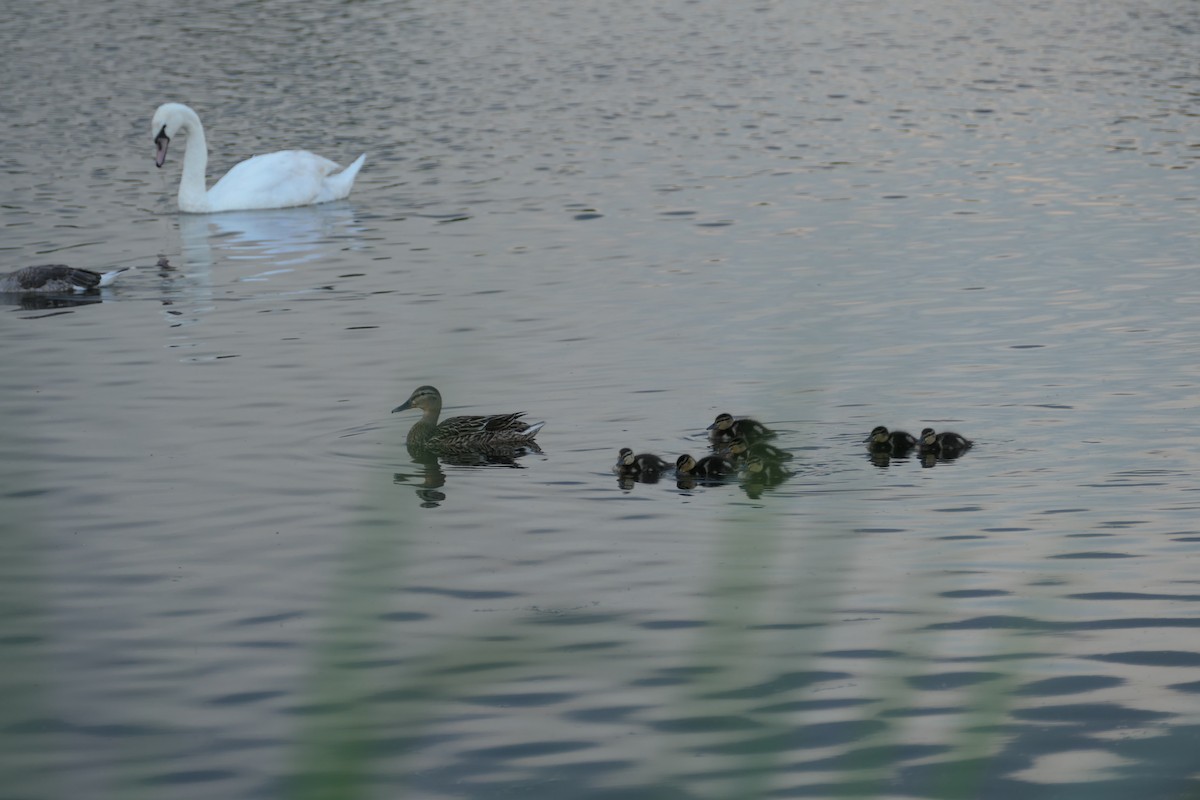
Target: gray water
(224,576)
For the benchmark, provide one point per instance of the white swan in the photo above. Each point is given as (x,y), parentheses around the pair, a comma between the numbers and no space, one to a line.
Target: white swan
(275,180)
(56,278)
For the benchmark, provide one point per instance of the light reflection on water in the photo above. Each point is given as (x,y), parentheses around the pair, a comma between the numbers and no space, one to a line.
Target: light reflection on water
(237,571)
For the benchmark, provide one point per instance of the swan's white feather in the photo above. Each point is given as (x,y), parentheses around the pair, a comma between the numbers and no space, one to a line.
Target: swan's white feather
(278,180)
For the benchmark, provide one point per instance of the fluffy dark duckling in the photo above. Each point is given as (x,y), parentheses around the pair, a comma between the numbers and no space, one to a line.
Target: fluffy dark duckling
(725,429)
(707,467)
(739,450)
(897,443)
(757,470)
(944,445)
(632,465)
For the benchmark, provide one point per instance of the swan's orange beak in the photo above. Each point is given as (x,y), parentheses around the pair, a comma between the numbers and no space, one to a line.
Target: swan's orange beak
(160,143)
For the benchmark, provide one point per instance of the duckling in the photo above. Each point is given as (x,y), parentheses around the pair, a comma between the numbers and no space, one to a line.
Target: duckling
(644,464)
(707,467)
(894,442)
(725,428)
(757,470)
(739,450)
(944,445)
(469,433)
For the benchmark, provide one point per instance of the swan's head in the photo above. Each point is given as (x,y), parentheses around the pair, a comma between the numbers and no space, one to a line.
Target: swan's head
(168,120)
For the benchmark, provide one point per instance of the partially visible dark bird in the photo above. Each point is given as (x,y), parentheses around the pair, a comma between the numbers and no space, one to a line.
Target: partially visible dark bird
(758,471)
(739,450)
(896,443)
(944,445)
(708,467)
(725,428)
(644,464)
(56,278)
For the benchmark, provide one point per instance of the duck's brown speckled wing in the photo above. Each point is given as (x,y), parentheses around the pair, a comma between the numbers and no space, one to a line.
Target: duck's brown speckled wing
(504,422)
(475,431)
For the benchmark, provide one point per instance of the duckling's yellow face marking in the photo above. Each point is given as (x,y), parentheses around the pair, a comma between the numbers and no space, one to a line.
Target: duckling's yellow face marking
(879,435)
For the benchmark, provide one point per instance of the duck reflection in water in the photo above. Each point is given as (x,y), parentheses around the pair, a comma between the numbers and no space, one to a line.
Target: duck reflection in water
(759,475)
(429,479)
(40,302)
(466,441)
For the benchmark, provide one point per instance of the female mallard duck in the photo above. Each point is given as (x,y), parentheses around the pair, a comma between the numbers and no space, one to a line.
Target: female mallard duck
(739,450)
(707,467)
(945,444)
(895,442)
(472,433)
(643,464)
(725,428)
(56,278)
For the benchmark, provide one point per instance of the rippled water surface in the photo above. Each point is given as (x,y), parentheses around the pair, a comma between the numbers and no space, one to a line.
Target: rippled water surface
(224,576)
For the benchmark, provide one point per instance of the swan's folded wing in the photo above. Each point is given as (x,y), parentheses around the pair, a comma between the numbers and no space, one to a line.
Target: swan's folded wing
(275,180)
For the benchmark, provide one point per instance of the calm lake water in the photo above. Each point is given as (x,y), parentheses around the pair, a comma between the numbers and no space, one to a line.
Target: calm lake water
(224,576)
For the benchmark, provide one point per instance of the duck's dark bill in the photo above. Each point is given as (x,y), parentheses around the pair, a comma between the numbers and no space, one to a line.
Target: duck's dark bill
(160,142)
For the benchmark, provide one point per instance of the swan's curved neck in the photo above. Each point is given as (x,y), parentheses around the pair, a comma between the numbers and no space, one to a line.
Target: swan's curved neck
(193,194)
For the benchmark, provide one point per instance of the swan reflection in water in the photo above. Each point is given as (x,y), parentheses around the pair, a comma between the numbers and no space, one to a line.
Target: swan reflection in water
(221,252)
(428,478)
(284,237)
